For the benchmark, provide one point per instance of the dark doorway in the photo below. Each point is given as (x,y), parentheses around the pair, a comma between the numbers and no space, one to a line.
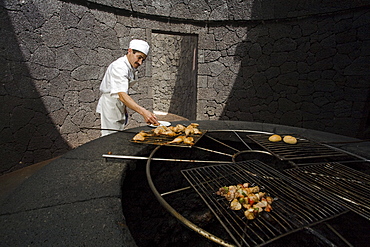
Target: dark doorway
(174,73)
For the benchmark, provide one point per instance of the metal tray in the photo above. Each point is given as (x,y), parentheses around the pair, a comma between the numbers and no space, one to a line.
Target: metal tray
(163,140)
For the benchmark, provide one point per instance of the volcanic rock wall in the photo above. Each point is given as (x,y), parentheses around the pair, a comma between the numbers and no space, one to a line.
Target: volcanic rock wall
(301,63)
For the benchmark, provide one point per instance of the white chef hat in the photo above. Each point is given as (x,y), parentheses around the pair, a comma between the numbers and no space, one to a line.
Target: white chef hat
(139,45)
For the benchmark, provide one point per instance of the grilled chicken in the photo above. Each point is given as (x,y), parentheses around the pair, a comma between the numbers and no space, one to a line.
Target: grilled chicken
(189,140)
(140,136)
(178,139)
(235,205)
(180,133)
(249,214)
(251,199)
(179,128)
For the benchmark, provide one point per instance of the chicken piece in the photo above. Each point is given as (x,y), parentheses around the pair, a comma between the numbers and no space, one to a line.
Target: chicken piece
(257,209)
(235,205)
(252,199)
(163,130)
(168,132)
(230,196)
(261,195)
(249,214)
(179,128)
(254,189)
(261,204)
(246,185)
(269,199)
(264,201)
(194,125)
(189,130)
(246,205)
(159,130)
(268,208)
(140,136)
(178,139)
(242,192)
(233,188)
(222,191)
(173,128)
(189,140)
(197,131)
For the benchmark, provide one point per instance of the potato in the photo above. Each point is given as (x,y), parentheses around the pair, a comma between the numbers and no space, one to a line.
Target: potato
(290,139)
(275,138)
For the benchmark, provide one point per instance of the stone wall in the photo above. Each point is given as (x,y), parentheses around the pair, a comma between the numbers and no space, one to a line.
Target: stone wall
(201,11)
(301,63)
(311,72)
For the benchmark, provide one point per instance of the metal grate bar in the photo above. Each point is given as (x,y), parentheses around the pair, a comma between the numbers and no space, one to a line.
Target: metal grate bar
(293,209)
(346,186)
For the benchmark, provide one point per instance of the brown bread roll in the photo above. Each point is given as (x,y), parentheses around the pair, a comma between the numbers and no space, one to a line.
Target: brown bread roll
(275,138)
(290,139)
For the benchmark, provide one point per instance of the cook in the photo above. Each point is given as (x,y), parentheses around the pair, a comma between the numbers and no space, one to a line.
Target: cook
(115,86)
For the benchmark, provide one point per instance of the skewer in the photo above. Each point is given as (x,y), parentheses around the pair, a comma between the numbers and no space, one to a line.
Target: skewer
(115,156)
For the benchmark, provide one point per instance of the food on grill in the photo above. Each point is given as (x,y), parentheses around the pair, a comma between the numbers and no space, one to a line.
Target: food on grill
(189,140)
(235,204)
(251,199)
(140,136)
(287,139)
(178,139)
(275,138)
(290,139)
(178,128)
(180,133)
(192,129)
(163,130)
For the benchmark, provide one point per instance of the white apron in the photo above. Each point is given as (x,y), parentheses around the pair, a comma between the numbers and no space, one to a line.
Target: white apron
(113,114)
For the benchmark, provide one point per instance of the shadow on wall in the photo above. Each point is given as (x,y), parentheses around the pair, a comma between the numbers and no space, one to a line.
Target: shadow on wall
(175,73)
(27,133)
(184,97)
(305,73)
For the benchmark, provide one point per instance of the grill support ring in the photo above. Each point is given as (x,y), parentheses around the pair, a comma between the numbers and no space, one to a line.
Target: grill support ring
(249,152)
(177,215)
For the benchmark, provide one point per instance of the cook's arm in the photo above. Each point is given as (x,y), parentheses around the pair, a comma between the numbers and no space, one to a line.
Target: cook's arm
(148,116)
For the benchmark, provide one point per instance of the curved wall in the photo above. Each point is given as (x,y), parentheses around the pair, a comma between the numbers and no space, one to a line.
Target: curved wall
(225,10)
(296,63)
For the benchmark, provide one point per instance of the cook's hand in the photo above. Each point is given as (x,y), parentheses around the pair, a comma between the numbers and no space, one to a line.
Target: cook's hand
(150,118)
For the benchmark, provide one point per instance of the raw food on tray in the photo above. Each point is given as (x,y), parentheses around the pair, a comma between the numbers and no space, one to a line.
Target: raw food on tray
(250,199)
(180,133)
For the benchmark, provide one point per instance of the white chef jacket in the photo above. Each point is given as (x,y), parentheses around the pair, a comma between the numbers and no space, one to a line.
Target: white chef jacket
(112,111)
